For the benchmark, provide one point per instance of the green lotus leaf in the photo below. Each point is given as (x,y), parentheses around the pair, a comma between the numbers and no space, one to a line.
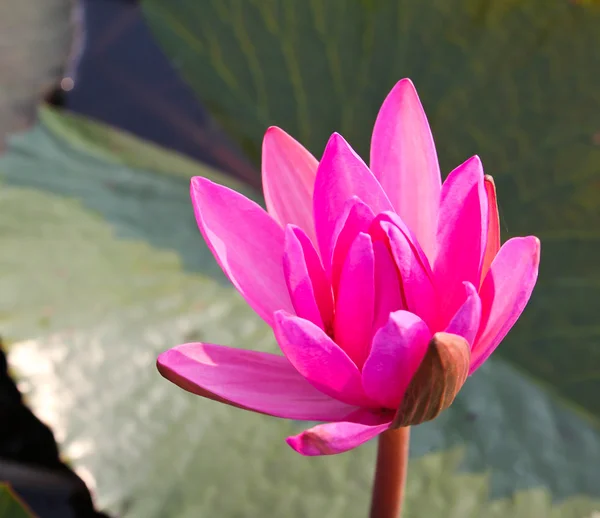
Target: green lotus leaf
(10,505)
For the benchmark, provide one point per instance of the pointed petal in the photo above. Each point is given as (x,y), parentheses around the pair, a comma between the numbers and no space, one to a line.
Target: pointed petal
(394,219)
(461,234)
(493,233)
(288,175)
(247,243)
(466,321)
(388,292)
(356,218)
(342,174)
(355,301)
(333,438)
(505,293)
(418,290)
(397,351)
(252,380)
(319,359)
(404,159)
(307,283)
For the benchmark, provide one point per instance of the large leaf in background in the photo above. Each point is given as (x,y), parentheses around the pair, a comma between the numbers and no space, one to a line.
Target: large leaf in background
(10,505)
(102,267)
(37,38)
(515,82)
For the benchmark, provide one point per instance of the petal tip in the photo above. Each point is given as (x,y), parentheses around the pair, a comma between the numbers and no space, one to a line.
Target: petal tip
(273,130)
(537,249)
(470,288)
(290,231)
(283,318)
(167,364)
(403,90)
(338,147)
(166,357)
(198,181)
(161,361)
(295,442)
(535,246)
(199,185)
(336,139)
(405,83)
(274,133)
(476,160)
(404,86)
(309,444)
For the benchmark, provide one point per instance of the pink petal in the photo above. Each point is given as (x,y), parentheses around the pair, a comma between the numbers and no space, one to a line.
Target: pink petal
(355,301)
(397,351)
(307,283)
(461,234)
(394,219)
(418,291)
(247,243)
(388,292)
(356,218)
(493,232)
(404,159)
(340,176)
(505,293)
(333,438)
(319,359)
(252,380)
(288,173)
(466,321)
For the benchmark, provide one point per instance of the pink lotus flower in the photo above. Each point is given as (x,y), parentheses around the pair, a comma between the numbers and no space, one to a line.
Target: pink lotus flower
(384,288)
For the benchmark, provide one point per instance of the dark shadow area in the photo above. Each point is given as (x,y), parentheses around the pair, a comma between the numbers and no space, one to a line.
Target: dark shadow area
(125,80)
(29,460)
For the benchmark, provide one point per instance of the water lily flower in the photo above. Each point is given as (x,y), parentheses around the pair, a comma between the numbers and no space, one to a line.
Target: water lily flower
(384,287)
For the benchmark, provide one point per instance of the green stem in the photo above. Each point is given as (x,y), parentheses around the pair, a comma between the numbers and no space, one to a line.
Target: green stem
(390,473)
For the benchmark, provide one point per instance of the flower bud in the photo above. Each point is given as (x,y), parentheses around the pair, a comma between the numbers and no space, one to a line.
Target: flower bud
(441,375)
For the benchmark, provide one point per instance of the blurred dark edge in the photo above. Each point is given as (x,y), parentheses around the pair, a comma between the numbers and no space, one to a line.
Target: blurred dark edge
(30,463)
(125,80)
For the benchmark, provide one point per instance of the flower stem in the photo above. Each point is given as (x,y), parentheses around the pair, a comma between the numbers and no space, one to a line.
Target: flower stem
(390,473)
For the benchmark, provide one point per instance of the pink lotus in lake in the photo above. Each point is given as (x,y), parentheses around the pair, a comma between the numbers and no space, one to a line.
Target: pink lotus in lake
(384,287)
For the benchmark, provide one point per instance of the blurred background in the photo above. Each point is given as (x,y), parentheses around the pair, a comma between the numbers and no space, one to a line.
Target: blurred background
(108,107)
